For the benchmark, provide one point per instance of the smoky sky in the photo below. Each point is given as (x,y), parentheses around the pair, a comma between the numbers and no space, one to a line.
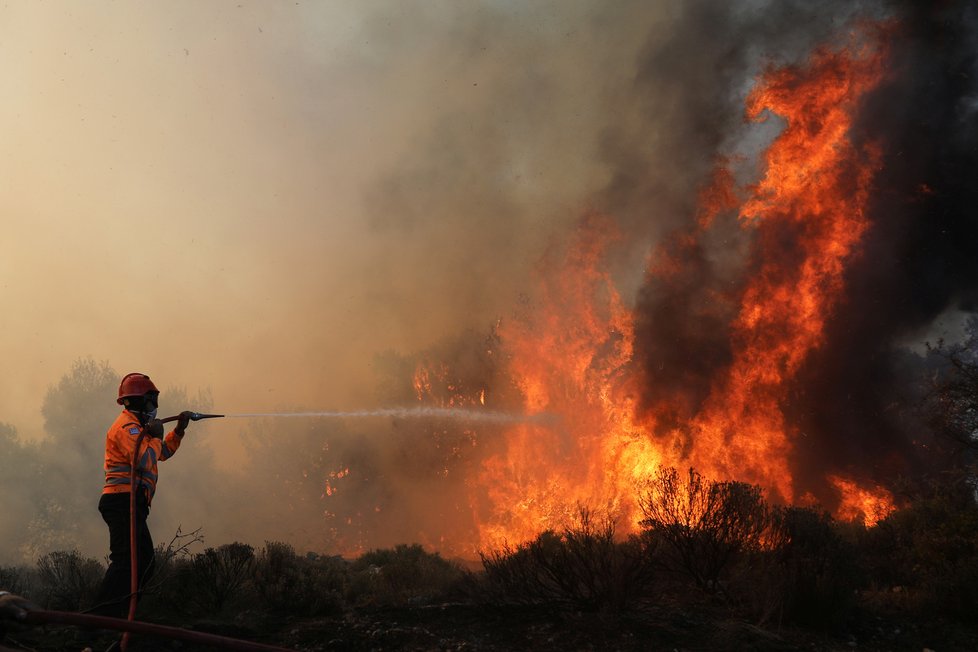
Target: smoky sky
(261,201)
(267,201)
(257,199)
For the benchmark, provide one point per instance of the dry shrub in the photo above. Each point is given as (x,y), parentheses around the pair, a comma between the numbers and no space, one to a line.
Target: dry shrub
(289,584)
(929,550)
(202,584)
(67,581)
(703,526)
(402,574)
(16,579)
(807,572)
(166,590)
(219,574)
(584,566)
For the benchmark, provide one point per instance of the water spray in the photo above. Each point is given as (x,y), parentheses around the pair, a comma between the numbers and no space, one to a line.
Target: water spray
(457,414)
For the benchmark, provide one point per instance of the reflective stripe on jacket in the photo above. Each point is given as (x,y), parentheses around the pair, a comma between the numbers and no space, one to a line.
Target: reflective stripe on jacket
(120,443)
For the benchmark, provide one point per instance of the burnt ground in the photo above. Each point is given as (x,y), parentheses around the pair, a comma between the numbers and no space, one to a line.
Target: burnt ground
(480,628)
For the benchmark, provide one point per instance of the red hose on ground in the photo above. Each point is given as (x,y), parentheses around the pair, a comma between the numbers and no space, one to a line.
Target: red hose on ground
(43,617)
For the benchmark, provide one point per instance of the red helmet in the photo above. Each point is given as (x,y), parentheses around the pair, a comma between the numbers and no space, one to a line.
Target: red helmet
(135,384)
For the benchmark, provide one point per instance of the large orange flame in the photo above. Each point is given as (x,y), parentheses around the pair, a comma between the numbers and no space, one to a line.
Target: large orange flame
(814,190)
(571,355)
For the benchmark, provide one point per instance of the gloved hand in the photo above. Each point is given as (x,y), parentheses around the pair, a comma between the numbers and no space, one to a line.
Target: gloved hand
(154,428)
(183,422)
(13,607)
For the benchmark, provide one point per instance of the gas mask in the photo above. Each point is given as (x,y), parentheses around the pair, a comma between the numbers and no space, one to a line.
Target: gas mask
(144,407)
(151,406)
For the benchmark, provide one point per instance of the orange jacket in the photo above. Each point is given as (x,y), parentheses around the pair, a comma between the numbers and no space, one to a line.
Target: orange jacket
(120,443)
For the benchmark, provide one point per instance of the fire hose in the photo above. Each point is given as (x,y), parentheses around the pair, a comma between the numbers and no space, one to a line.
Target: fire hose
(133,554)
(43,617)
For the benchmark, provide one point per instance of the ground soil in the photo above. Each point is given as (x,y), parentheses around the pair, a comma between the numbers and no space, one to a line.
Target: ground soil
(480,628)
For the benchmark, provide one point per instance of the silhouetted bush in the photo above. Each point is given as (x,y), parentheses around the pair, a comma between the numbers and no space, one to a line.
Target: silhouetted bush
(15,579)
(929,550)
(703,525)
(584,566)
(165,592)
(806,572)
(67,581)
(405,572)
(732,557)
(513,575)
(220,573)
(287,583)
(172,590)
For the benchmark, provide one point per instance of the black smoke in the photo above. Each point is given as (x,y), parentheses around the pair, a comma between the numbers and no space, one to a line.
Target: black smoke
(851,407)
(919,258)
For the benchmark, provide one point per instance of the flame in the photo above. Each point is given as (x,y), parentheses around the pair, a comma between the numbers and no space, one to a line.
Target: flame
(573,354)
(815,188)
(570,357)
(570,350)
(436,383)
(330,488)
(868,505)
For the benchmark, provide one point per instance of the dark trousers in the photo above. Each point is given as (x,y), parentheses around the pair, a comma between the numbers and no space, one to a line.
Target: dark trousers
(113,596)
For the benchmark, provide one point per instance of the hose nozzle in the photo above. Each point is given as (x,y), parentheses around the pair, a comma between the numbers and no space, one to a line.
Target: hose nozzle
(194,416)
(197,416)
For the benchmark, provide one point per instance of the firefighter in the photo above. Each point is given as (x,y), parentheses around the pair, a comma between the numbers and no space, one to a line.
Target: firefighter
(139,398)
